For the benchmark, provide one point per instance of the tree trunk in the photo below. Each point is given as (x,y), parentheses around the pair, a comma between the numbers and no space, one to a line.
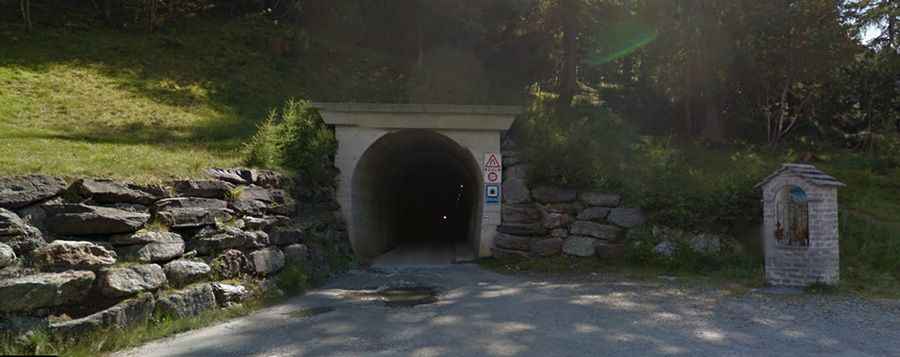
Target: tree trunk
(713,130)
(25,5)
(568,82)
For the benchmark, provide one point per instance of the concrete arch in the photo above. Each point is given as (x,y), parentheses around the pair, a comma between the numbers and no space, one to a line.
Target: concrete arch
(415,186)
(398,162)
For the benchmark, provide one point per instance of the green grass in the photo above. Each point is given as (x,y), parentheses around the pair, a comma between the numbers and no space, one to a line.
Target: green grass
(134,105)
(106,341)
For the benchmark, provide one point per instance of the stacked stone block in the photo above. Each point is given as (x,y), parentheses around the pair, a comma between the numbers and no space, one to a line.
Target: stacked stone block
(101,253)
(544,221)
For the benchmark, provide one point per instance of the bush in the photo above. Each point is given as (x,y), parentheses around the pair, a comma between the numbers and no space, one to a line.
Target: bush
(639,250)
(293,279)
(582,153)
(295,139)
(869,253)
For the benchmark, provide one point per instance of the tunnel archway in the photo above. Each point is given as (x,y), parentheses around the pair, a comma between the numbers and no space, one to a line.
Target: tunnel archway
(415,187)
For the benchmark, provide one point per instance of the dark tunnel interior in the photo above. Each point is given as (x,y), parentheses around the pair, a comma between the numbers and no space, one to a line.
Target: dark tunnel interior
(414,187)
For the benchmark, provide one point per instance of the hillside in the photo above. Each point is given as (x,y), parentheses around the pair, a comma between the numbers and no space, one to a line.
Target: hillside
(137,106)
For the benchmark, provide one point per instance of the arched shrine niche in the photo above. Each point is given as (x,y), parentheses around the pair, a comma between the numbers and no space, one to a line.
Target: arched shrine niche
(792,217)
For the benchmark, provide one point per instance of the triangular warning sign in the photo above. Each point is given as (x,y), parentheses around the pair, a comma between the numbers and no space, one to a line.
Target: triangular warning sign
(492,162)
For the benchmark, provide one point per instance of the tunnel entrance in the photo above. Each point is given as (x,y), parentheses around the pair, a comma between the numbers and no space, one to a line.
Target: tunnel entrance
(411,174)
(416,191)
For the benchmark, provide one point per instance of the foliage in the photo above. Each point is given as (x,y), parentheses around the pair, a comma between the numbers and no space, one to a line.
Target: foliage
(864,104)
(293,279)
(104,341)
(134,106)
(576,153)
(639,250)
(295,138)
(869,251)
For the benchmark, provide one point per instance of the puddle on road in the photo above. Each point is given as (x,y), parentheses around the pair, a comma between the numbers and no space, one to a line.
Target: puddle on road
(400,297)
(310,312)
(408,297)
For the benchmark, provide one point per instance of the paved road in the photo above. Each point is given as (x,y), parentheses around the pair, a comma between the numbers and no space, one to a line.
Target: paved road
(480,313)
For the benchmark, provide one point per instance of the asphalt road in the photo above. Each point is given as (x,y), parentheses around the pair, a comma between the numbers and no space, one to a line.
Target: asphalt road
(481,313)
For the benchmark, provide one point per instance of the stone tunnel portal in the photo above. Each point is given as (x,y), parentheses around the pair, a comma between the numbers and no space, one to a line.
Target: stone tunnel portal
(412,174)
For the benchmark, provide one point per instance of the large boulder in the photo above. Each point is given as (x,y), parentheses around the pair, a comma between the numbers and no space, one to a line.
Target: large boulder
(183,272)
(243,176)
(596,230)
(21,191)
(251,208)
(145,236)
(554,219)
(267,261)
(12,225)
(80,219)
(203,188)
(579,246)
(17,234)
(547,247)
(44,290)
(7,256)
(151,253)
(561,233)
(231,264)
(548,194)
(64,255)
(627,217)
(259,201)
(598,199)
(149,246)
(238,176)
(109,192)
(257,193)
(665,249)
(212,240)
(129,280)
(228,294)
(522,229)
(266,223)
(187,302)
(520,214)
(507,241)
(516,191)
(130,312)
(296,253)
(594,214)
(189,212)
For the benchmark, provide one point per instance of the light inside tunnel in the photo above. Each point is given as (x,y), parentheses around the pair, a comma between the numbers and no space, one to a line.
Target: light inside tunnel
(414,187)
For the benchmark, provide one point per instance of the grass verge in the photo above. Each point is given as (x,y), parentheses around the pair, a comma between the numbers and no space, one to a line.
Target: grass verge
(106,341)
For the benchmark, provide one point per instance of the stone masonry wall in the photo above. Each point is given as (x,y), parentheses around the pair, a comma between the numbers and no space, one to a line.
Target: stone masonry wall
(544,221)
(91,253)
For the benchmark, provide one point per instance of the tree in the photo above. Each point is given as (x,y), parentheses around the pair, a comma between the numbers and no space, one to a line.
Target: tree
(25,6)
(881,15)
(568,79)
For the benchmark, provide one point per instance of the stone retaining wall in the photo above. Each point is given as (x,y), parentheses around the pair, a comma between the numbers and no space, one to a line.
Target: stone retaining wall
(543,221)
(78,255)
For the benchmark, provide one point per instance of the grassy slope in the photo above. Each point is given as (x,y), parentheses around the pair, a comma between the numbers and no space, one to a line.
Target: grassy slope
(136,106)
